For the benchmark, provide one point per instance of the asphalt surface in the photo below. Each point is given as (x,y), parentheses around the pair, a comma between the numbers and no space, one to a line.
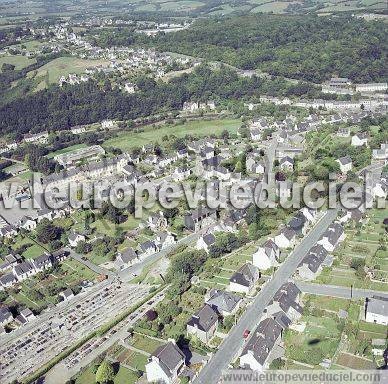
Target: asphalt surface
(335,291)
(231,346)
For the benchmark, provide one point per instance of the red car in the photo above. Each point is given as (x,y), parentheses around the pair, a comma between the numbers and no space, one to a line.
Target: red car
(246,333)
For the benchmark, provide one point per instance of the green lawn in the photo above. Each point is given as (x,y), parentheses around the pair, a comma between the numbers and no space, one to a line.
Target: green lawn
(128,140)
(18,61)
(144,343)
(66,150)
(123,376)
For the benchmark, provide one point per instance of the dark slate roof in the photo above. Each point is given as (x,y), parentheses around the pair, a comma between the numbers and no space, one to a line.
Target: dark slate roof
(170,357)
(263,340)
(333,233)
(147,245)
(24,267)
(245,276)
(205,318)
(222,300)
(345,160)
(286,296)
(209,239)
(5,314)
(128,255)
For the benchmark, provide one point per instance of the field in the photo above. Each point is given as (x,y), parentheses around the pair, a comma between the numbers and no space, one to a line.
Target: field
(65,150)
(63,66)
(274,7)
(129,140)
(18,61)
(123,376)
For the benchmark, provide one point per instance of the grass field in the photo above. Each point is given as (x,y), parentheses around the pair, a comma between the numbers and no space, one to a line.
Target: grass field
(144,343)
(63,66)
(123,376)
(129,140)
(18,61)
(66,150)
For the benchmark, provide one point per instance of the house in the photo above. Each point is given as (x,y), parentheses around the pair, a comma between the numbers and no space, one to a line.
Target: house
(298,224)
(165,364)
(203,324)
(382,153)
(266,255)
(7,280)
(75,239)
(157,221)
(127,257)
(371,87)
(24,270)
(332,237)
(78,130)
(60,255)
(165,239)
(360,139)
(377,310)
(199,218)
(286,164)
(108,124)
(260,350)
(283,189)
(26,315)
(45,213)
(311,266)
(10,261)
(223,302)
(42,262)
(147,248)
(182,153)
(205,242)
(380,189)
(286,299)
(67,294)
(40,138)
(181,173)
(8,231)
(345,164)
(27,223)
(255,134)
(5,316)
(244,279)
(286,238)
(343,132)
(310,214)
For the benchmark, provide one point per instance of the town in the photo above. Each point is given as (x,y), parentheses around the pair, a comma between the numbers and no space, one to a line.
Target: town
(91,292)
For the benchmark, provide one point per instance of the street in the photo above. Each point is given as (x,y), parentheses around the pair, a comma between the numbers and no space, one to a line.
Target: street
(335,291)
(231,346)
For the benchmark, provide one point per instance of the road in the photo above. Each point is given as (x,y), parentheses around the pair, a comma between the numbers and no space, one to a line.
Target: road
(229,349)
(87,263)
(130,273)
(335,291)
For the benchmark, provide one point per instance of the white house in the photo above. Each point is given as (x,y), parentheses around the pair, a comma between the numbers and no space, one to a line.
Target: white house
(203,324)
(286,238)
(27,223)
(165,239)
(147,248)
(266,255)
(360,139)
(345,164)
(205,242)
(244,279)
(286,164)
(67,294)
(223,302)
(377,310)
(165,364)
(75,238)
(332,237)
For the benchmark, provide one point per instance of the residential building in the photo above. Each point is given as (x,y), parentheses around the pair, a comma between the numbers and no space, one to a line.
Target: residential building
(266,255)
(345,164)
(311,266)
(75,239)
(244,280)
(223,302)
(286,238)
(205,242)
(199,218)
(332,237)
(165,364)
(377,310)
(360,139)
(203,324)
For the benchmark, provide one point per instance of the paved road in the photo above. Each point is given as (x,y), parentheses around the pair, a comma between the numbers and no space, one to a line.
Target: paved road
(229,349)
(335,291)
(130,273)
(87,263)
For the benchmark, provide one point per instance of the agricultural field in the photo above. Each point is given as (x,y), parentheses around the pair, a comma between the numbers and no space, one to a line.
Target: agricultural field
(129,140)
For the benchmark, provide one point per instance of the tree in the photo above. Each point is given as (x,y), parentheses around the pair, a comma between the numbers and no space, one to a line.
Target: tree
(47,232)
(105,373)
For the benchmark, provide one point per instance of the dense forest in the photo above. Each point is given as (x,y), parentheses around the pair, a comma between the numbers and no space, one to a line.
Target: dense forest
(60,108)
(309,47)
